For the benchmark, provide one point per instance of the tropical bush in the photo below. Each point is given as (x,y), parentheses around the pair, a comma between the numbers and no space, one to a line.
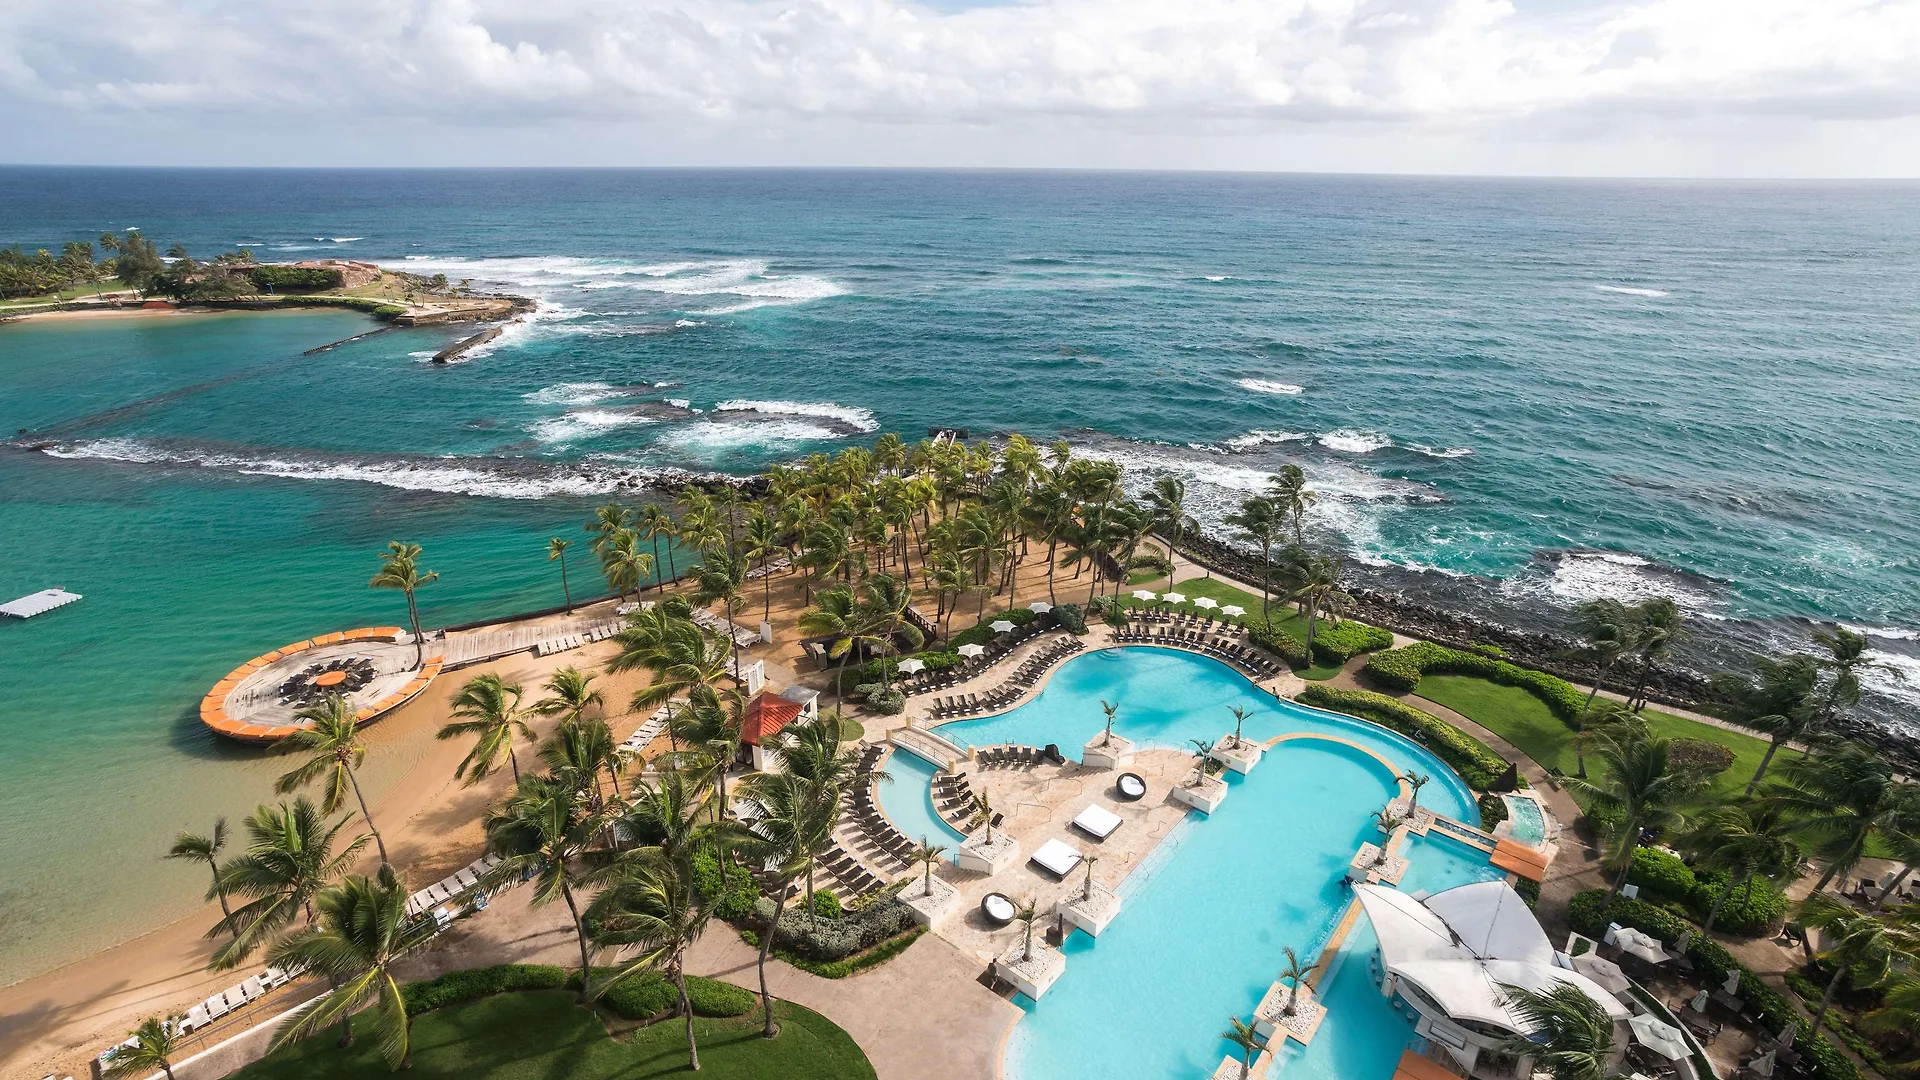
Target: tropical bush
(1753,910)
(1402,669)
(474,983)
(1279,643)
(735,899)
(1661,875)
(833,939)
(1070,619)
(1468,756)
(983,633)
(1493,809)
(295,277)
(649,993)
(1337,643)
(827,906)
(887,700)
(840,969)
(1705,756)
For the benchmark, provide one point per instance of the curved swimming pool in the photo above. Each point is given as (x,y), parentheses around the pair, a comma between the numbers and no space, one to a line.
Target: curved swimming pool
(906,797)
(1209,912)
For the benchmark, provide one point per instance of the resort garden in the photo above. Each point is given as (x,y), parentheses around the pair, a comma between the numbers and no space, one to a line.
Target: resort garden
(897,567)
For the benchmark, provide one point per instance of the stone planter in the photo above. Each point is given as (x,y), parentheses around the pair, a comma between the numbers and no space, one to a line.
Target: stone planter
(1269,1021)
(1240,758)
(1091,913)
(928,906)
(1206,796)
(1368,866)
(1117,754)
(1031,975)
(981,857)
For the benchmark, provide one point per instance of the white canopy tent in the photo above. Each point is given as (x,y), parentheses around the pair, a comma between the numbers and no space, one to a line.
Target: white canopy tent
(1459,947)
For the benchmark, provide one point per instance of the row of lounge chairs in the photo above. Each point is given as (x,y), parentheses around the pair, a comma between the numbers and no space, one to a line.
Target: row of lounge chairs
(1182,618)
(1014,756)
(1008,692)
(454,885)
(877,830)
(953,796)
(563,642)
(846,869)
(996,650)
(1240,656)
(648,731)
(707,620)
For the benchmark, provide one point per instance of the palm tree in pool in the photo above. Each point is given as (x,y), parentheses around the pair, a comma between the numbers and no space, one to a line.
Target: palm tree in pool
(206,849)
(557,549)
(1568,1033)
(1258,521)
(354,943)
(655,523)
(1414,781)
(1028,912)
(652,908)
(333,738)
(1287,490)
(289,858)
(1112,712)
(155,1043)
(1086,884)
(400,569)
(489,708)
(793,830)
(926,854)
(1291,974)
(1243,1035)
(1642,789)
(1239,723)
(1202,756)
(543,831)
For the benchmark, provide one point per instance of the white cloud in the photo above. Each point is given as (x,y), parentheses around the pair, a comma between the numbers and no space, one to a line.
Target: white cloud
(1474,72)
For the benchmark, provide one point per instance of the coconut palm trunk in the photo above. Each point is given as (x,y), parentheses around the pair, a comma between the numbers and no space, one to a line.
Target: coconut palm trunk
(767,1030)
(354,779)
(579,932)
(686,1008)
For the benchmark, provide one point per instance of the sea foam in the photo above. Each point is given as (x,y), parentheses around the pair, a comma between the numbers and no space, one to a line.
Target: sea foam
(1630,290)
(852,415)
(1268,386)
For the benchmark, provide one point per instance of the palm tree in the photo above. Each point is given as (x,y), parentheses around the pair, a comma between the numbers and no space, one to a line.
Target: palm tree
(1318,590)
(608,522)
(983,808)
(491,708)
(654,908)
(718,579)
(1291,974)
(1609,630)
(1239,722)
(1844,800)
(400,569)
(154,1045)
(1202,751)
(541,831)
(333,738)
(1243,1035)
(817,755)
(1778,699)
(578,752)
(1086,886)
(795,827)
(1568,1032)
(1168,498)
(926,855)
(354,942)
(1112,711)
(624,565)
(680,656)
(655,523)
(1641,787)
(1287,490)
(852,625)
(1028,912)
(1414,782)
(557,549)
(1659,631)
(1258,521)
(1861,947)
(289,858)
(1742,841)
(570,694)
(206,849)
(763,543)
(1846,658)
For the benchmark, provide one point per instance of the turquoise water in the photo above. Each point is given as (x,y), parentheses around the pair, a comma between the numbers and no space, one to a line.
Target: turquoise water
(1477,399)
(1206,916)
(1529,826)
(907,800)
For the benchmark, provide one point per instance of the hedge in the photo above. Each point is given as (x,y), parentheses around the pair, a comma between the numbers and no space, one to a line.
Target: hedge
(1493,811)
(1279,643)
(1837,1022)
(736,902)
(650,993)
(474,983)
(840,969)
(269,276)
(1478,765)
(835,939)
(1337,643)
(1774,1012)
(1750,912)
(1071,619)
(1402,669)
(1704,756)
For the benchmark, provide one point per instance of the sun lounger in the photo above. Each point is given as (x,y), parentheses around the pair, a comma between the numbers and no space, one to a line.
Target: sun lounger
(1057,857)
(253,988)
(1097,821)
(197,1018)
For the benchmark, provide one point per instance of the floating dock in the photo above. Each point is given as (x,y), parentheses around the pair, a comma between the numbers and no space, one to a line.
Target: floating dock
(38,603)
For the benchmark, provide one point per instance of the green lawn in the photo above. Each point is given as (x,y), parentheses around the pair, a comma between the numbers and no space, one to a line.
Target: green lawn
(545,1036)
(1524,721)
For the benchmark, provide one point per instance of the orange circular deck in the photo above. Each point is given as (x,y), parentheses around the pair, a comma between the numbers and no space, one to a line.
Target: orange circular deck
(213,707)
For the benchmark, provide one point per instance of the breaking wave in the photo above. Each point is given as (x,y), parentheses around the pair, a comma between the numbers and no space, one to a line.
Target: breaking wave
(1268,386)
(1630,290)
(1348,441)
(859,419)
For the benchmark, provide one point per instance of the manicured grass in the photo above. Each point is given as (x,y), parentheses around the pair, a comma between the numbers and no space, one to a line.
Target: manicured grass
(538,1036)
(1523,720)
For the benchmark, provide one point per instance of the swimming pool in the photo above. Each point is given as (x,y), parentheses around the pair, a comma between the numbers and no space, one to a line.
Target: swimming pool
(1209,912)
(1526,822)
(907,800)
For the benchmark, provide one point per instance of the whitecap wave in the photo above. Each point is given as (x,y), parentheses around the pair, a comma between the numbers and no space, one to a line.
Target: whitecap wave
(1630,290)
(1617,575)
(707,437)
(338,239)
(1268,386)
(687,323)
(1450,452)
(1219,277)
(417,258)
(422,354)
(855,417)
(584,423)
(1262,437)
(1889,633)
(1349,441)
(495,478)
(752,279)
(574,393)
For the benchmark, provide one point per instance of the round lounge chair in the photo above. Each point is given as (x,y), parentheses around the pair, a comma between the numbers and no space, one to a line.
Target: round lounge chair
(1130,787)
(997,909)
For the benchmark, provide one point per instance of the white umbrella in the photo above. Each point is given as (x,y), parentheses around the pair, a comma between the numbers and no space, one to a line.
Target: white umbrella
(1205,602)
(1601,970)
(1174,597)
(971,651)
(1001,626)
(1040,606)
(1699,1002)
(1143,594)
(1732,985)
(1233,609)
(1645,946)
(913,667)
(1658,1036)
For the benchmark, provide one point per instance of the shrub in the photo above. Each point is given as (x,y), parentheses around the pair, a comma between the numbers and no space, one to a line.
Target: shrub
(983,633)
(1468,756)
(840,969)
(1702,755)
(1494,651)
(1279,643)
(834,939)
(1757,909)
(1839,1024)
(1529,891)
(826,905)
(1402,669)
(1337,643)
(734,901)
(1104,606)
(887,701)
(1661,876)
(287,278)
(649,993)
(1493,809)
(474,983)
(1070,619)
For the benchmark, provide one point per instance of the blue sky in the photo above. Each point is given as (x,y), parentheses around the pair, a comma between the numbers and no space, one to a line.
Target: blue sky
(1541,87)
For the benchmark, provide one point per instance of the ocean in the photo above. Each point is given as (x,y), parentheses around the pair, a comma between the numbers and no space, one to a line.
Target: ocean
(1511,395)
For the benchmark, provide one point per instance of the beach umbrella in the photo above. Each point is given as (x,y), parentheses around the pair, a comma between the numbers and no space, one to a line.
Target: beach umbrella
(1205,602)
(1174,597)
(1601,970)
(1233,609)
(1658,1036)
(1732,985)
(1143,594)
(1699,1002)
(1040,606)
(912,667)
(1002,626)
(971,651)
(1645,946)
